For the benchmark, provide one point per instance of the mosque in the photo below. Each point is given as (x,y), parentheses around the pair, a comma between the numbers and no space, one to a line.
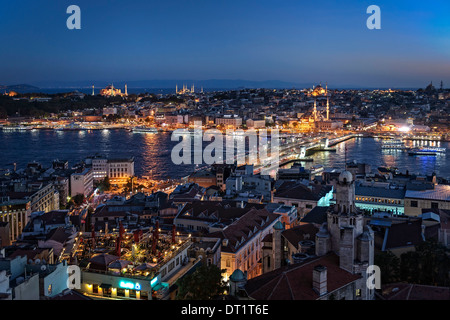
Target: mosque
(186,89)
(318,120)
(110,91)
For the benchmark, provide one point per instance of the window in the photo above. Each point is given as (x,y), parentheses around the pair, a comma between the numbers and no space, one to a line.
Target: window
(132,294)
(120,292)
(434,205)
(144,295)
(414,204)
(358,292)
(107,292)
(309,206)
(95,288)
(49,289)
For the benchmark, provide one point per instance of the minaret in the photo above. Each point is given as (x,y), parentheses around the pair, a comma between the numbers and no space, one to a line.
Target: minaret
(126,90)
(176,89)
(193,88)
(202,90)
(277,245)
(328,102)
(315,110)
(93,92)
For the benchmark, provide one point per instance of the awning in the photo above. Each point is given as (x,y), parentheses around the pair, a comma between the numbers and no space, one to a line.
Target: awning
(105,286)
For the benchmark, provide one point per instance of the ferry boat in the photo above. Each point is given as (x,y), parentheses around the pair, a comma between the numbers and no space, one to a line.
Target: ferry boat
(316,169)
(393,144)
(16,128)
(71,127)
(144,130)
(426,151)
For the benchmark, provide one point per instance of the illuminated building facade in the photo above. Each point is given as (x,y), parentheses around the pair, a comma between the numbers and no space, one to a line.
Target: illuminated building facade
(15,212)
(110,91)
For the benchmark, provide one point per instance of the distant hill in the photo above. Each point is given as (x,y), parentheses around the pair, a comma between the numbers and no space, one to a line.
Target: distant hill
(18,87)
(207,84)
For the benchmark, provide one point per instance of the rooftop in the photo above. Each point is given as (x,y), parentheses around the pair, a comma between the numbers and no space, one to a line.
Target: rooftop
(406,291)
(242,230)
(295,282)
(440,193)
(380,192)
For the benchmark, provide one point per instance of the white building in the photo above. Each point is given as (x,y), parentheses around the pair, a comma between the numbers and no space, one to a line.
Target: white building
(256,124)
(436,198)
(229,121)
(120,171)
(117,170)
(82,183)
(15,284)
(16,213)
(242,242)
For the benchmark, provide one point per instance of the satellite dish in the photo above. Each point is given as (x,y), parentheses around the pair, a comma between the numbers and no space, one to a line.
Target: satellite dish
(43,268)
(37,261)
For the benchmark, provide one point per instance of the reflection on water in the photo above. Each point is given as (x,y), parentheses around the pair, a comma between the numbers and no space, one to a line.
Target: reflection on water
(368,150)
(152,152)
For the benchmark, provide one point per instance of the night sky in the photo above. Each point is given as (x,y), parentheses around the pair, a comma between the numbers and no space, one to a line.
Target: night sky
(298,41)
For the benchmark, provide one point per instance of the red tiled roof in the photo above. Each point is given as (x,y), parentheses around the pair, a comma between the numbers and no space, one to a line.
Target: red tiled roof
(105,212)
(54,217)
(303,232)
(30,254)
(244,227)
(213,211)
(295,282)
(302,192)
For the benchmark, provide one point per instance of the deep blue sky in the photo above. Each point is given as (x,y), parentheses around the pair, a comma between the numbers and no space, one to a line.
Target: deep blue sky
(298,41)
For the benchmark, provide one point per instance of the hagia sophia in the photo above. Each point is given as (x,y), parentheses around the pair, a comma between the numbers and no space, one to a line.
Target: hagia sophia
(110,91)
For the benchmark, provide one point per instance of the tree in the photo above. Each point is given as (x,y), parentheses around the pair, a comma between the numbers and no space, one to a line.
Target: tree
(205,283)
(389,266)
(105,185)
(78,199)
(429,264)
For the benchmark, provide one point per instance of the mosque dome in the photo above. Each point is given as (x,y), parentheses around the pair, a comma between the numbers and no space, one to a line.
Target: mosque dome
(346,177)
(237,276)
(278,226)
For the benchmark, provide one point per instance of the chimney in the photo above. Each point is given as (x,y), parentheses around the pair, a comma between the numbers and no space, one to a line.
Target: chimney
(320,280)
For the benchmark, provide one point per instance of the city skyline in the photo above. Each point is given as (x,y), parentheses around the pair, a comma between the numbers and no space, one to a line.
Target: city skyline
(295,42)
(238,152)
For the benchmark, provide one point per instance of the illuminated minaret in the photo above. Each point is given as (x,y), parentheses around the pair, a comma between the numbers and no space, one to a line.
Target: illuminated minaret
(93,93)
(315,110)
(193,88)
(126,89)
(328,102)
(176,88)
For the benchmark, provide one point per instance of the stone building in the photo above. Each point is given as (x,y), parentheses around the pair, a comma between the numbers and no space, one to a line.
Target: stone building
(334,266)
